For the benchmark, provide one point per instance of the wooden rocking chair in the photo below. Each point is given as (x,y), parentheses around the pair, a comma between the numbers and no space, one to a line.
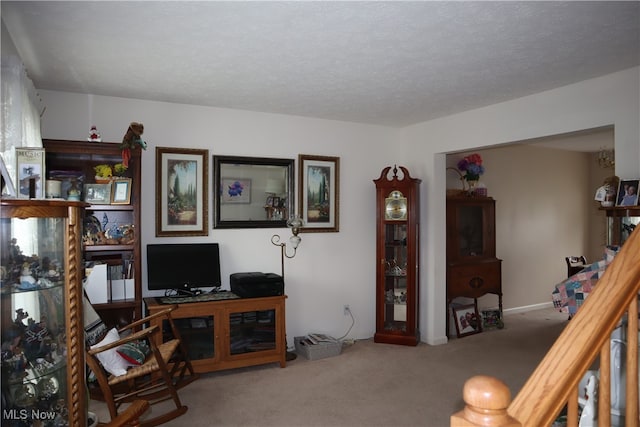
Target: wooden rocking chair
(156,377)
(130,416)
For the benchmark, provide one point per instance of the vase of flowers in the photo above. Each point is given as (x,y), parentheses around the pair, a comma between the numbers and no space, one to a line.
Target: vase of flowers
(471,168)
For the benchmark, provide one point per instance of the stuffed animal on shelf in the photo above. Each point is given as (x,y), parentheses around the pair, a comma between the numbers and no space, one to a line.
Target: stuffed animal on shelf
(131,140)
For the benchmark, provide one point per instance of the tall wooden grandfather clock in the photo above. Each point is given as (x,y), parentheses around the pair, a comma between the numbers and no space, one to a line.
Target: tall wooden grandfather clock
(397,243)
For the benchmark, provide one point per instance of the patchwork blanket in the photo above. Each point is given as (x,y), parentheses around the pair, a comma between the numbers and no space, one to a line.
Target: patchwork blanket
(569,294)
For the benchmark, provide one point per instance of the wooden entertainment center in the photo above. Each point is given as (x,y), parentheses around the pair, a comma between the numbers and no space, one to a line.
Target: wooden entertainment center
(230,333)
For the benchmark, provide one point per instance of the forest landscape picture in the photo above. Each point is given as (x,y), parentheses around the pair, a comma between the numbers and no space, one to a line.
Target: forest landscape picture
(181,192)
(319,192)
(183,185)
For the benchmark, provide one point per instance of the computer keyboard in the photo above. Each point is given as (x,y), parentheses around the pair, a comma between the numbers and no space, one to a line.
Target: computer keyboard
(216,296)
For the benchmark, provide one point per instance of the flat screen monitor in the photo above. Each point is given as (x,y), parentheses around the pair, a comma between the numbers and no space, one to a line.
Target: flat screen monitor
(183,267)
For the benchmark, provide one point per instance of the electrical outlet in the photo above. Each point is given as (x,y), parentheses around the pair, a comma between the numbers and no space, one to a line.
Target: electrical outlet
(347,309)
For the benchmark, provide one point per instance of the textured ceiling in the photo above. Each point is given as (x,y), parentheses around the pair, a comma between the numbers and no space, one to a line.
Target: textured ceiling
(388,63)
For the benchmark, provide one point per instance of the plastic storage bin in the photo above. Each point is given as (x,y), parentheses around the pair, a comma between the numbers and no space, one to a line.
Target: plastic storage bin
(321,350)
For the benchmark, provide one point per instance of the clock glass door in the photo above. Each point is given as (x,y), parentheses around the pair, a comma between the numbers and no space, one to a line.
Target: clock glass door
(395,307)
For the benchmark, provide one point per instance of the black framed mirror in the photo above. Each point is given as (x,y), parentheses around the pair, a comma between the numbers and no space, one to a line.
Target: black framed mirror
(252,192)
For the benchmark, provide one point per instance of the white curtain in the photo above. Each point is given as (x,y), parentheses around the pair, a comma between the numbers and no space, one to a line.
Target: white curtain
(21,109)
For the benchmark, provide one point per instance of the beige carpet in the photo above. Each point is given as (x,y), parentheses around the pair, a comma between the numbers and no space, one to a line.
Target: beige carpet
(370,384)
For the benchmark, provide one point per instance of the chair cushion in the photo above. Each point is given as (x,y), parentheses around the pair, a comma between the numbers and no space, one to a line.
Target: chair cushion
(134,352)
(110,359)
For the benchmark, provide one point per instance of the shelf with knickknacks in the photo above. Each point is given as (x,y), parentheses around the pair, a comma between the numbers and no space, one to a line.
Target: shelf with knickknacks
(110,226)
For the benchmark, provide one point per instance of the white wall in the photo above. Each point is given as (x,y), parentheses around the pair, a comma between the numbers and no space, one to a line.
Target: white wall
(609,100)
(330,269)
(333,269)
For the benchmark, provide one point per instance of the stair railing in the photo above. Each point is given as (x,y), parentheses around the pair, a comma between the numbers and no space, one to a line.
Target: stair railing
(554,383)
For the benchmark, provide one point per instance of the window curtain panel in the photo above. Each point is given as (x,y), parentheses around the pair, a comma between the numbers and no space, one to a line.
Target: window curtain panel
(21,109)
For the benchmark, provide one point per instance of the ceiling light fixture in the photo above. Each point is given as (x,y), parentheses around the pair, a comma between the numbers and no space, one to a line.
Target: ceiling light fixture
(607,158)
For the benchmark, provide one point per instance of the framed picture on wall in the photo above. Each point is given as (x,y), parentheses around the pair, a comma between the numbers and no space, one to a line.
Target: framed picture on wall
(181,192)
(319,187)
(627,192)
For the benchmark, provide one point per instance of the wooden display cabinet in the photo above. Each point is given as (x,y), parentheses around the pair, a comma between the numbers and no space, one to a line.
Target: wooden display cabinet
(472,267)
(41,309)
(231,333)
(397,247)
(111,231)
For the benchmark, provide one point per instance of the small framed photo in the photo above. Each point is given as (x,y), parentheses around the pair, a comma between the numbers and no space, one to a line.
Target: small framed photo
(97,194)
(275,202)
(491,318)
(467,319)
(121,192)
(627,192)
(30,172)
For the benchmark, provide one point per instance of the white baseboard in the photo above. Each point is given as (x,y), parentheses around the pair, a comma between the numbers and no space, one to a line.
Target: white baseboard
(526,308)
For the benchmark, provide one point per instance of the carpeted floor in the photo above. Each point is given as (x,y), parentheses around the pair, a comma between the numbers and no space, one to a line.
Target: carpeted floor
(370,384)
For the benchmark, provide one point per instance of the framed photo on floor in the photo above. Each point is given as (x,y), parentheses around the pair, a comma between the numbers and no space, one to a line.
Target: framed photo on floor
(467,319)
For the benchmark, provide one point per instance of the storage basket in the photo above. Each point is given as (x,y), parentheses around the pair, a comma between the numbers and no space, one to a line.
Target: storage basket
(317,351)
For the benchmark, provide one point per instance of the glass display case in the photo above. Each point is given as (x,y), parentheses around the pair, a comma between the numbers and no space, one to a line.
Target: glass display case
(397,253)
(41,309)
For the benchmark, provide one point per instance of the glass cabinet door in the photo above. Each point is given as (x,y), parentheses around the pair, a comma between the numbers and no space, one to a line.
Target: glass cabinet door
(35,303)
(470,229)
(252,331)
(197,333)
(395,312)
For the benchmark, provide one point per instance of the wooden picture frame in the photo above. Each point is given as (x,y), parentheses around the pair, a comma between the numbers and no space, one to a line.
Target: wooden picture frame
(99,194)
(182,204)
(319,193)
(242,186)
(30,168)
(121,191)
(467,319)
(627,192)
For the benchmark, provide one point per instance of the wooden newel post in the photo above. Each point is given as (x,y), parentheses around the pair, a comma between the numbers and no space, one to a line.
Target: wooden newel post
(487,400)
